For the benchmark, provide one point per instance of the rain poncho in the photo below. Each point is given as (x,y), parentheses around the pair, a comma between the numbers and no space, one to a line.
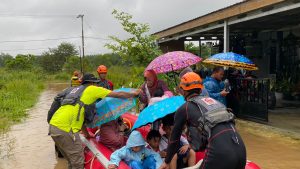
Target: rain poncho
(214,87)
(125,153)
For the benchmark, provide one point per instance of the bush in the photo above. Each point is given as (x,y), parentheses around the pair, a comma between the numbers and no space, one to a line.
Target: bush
(124,76)
(21,62)
(18,92)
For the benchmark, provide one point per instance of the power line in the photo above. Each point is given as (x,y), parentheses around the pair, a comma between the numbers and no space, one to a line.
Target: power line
(98,38)
(36,40)
(24,49)
(38,15)
(50,39)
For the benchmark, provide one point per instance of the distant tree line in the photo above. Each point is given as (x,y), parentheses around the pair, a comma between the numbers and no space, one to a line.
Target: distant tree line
(62,58)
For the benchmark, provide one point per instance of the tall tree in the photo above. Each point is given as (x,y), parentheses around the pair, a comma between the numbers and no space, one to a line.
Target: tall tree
(140,48)
(21,62)
(4,57)
(55,58)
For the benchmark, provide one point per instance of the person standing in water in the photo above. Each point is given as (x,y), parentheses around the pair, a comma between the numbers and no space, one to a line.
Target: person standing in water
(76,79)
(104,82)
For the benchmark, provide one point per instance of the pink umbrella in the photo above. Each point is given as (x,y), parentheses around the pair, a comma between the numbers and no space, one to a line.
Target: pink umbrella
(171,61)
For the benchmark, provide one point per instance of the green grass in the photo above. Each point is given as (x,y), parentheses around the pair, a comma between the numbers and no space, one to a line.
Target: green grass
(126,76)
(61,77)
(18,92)
(119,75)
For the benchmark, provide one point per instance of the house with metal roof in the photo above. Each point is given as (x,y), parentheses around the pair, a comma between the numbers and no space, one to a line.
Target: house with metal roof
(266,31)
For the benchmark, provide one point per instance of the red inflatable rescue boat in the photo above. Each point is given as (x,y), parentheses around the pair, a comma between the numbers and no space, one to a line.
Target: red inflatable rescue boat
(97,155)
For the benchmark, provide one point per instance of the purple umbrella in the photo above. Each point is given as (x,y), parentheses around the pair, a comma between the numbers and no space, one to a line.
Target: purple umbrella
(173,61)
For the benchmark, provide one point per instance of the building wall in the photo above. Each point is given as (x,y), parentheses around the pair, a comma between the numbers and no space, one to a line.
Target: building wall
(271,41)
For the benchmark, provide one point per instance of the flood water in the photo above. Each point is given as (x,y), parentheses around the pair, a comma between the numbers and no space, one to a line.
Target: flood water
(27,145)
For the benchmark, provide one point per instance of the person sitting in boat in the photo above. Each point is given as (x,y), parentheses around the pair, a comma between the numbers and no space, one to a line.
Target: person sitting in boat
(112,134)
(185,157)
(153,140)
(135,154)
(159,95)
(151,85)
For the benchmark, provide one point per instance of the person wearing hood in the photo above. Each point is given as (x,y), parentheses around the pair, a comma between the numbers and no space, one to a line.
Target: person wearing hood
(151,85)
(135,154)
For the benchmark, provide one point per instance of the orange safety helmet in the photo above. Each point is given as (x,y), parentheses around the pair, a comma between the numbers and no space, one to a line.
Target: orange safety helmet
(191,80)
(102,69)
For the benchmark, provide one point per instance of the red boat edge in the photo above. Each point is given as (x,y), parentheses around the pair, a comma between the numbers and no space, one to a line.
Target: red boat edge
(97,155)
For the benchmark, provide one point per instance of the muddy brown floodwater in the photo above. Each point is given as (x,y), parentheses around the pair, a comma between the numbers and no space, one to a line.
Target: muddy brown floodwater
(27,145)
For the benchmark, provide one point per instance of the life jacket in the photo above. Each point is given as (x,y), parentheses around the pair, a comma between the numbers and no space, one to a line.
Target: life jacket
(212,113)
(73,98)
(105,84)
(57,102)
(75,81)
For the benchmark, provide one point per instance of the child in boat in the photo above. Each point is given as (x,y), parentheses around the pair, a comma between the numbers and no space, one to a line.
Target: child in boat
(135,154)
(185,157)
(153,140)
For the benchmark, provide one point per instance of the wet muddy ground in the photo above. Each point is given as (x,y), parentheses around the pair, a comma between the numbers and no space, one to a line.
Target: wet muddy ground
(27,145)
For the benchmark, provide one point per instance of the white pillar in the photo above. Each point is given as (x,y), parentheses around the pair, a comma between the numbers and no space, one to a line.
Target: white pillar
(226,37)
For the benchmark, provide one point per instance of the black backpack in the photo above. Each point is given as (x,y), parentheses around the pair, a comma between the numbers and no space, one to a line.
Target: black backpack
(71,96)
(57,102)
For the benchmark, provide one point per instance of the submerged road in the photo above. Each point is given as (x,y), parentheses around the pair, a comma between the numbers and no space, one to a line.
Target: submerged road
(27,145)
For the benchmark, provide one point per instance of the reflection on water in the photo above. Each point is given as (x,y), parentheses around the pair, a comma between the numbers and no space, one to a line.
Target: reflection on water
(27,145)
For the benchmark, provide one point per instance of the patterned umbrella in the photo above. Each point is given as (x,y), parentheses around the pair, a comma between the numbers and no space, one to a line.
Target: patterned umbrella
(173,61)
(110,108)
(231,59)
(158,110)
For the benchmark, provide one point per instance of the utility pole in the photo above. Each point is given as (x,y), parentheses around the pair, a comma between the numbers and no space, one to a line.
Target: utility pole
(80,59)
(82,39)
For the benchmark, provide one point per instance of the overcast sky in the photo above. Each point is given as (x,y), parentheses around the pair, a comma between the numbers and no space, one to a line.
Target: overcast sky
(25,20)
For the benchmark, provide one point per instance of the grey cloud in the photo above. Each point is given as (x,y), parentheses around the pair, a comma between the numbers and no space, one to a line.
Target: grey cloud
(160,14)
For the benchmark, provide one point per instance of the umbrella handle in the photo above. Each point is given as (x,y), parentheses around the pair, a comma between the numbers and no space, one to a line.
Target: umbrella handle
(127,122)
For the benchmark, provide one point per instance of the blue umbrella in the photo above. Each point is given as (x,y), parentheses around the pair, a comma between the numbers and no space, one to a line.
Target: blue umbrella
(110,108)
(231,59)
(158,110)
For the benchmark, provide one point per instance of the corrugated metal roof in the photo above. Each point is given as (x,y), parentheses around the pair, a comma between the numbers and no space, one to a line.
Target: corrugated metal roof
(243,4)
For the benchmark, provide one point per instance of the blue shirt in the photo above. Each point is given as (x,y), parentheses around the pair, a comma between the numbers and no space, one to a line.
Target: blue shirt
(214,87)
